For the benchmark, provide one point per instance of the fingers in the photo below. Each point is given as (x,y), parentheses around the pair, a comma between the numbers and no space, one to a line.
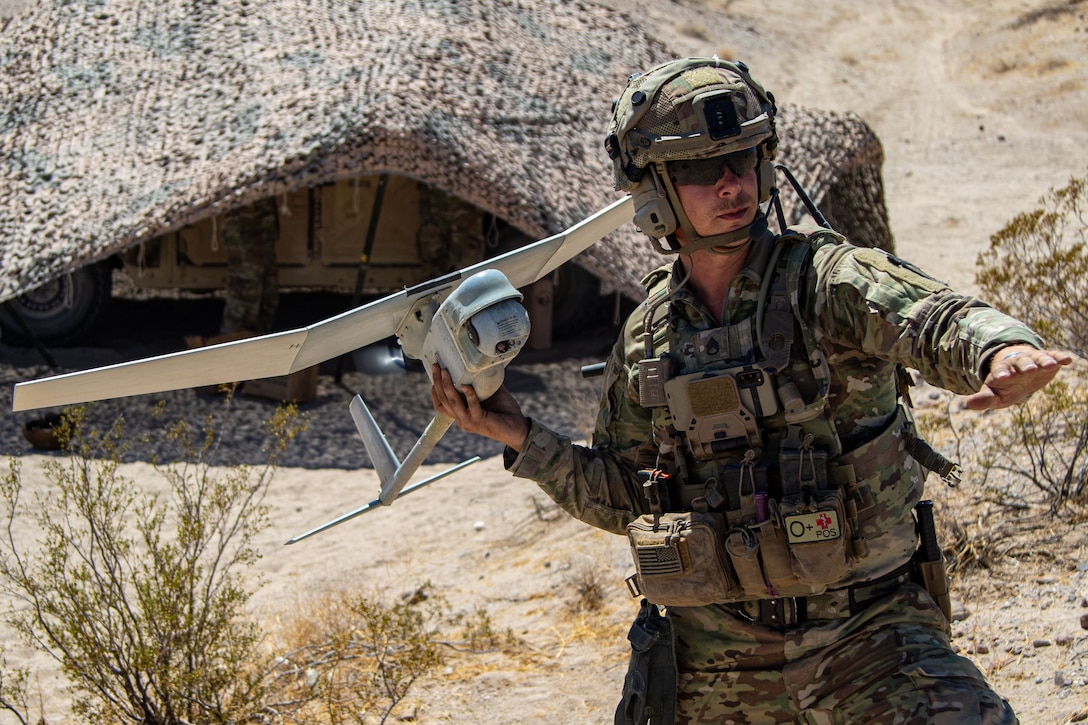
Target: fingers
(462,404)
(1021,358)
(500,418)
(440,394)
(1016,372)
(445,396)
(468,394)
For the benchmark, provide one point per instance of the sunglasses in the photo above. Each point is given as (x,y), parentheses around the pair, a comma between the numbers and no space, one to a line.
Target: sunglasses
(706,172)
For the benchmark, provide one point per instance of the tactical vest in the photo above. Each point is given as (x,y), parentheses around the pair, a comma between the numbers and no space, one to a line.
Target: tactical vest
(747,446)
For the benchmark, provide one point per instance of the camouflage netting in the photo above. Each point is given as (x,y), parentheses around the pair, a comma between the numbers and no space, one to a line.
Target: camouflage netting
(123,119)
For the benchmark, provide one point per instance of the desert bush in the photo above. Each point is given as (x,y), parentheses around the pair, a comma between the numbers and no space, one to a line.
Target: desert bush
(13,690)
(1042,443)
(1050,435)
(585,581)
(1036,267)
(141,597)
(478,633)
(351,659)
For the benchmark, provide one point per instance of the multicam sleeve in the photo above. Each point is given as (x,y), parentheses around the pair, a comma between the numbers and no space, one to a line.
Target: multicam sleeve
(880,305)
(596,484)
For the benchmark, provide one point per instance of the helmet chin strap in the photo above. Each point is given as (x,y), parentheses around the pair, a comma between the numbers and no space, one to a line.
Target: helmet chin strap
(726,244)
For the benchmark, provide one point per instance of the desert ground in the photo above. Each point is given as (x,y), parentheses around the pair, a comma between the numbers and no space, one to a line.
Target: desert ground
(980,106)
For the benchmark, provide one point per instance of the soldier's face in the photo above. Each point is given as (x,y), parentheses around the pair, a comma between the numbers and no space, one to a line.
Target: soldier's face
(725,206)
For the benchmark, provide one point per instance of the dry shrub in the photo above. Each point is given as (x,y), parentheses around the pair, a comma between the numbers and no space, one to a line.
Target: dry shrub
(347,658)
(142,598)
(587,589)
(1021,467)
(1036,267)
(478,634)
(14,697)
(1032,457)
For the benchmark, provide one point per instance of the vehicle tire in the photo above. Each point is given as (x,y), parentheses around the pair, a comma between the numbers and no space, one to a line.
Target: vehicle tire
(60,312)
(576,299)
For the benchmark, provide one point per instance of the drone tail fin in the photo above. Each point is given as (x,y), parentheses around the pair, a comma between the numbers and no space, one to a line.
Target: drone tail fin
(392,472)
(377,447)
(411,463)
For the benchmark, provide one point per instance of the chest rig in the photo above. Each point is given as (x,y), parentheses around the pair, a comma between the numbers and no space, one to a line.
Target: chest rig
(739,393)
(748,480)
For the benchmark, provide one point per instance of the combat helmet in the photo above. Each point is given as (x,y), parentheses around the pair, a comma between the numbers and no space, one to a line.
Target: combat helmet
(690,109)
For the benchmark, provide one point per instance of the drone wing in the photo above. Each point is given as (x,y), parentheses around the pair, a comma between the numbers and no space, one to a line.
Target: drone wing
(282,353)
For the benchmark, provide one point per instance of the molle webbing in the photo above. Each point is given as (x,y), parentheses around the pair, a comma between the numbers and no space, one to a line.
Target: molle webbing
(789,269)
(774,316)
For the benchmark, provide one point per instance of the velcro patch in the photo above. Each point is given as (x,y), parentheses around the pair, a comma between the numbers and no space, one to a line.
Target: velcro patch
(899,269)
(822,525)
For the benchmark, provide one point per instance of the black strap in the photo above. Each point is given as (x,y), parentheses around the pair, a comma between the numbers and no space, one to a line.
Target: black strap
(862,595)
(931,459)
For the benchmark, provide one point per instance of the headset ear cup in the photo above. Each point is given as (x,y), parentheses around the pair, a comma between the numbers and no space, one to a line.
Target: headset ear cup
(653,212)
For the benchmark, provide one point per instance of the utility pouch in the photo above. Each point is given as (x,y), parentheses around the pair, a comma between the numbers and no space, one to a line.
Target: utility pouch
(680,559)
(740,493)
(649,689)
(743,548)
(740,484)
(818,537)
(777,566)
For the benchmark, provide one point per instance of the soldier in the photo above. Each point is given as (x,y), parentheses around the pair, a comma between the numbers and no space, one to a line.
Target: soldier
(752,441)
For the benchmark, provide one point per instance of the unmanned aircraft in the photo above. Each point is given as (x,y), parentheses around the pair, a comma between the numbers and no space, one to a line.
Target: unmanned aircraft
(470,322)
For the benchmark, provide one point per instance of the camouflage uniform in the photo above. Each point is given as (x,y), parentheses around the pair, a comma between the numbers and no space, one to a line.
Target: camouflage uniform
(872,646)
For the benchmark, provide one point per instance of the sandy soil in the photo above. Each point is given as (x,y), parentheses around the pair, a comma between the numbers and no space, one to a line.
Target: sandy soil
(981,108)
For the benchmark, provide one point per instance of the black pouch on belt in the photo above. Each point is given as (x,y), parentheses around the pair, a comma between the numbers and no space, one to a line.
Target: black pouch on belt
(649,689)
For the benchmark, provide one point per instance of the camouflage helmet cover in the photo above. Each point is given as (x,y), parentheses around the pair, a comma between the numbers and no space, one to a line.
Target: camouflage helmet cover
(692,108)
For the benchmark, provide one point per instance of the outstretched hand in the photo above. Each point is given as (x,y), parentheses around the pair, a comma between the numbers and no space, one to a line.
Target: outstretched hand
(1016,372)
(498,418)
